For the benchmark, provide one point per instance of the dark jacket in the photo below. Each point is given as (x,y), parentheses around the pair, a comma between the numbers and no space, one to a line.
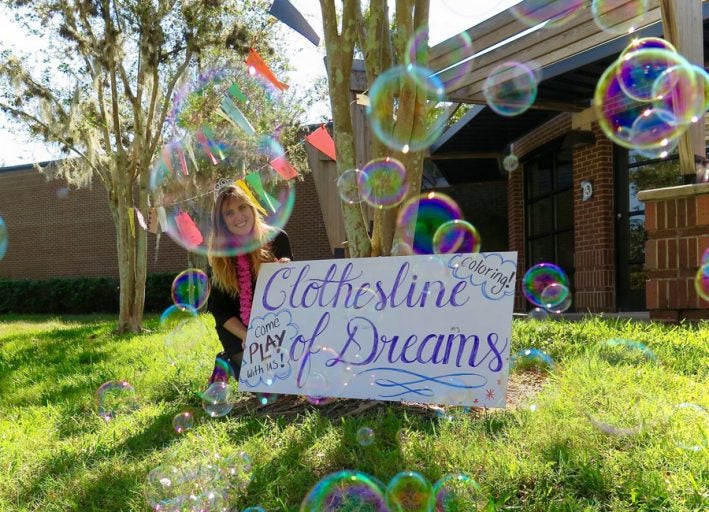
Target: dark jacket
(224,306)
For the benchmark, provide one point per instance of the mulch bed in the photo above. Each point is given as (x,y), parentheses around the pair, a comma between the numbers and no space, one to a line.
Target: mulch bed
(521,390)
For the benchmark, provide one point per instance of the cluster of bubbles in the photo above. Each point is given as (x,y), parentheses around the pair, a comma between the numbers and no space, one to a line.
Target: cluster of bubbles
(204,484)
(406,491)
(649,96)
(221,135)
(546,286)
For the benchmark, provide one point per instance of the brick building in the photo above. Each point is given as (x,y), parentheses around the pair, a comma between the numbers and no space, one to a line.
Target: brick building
(594,208)
(57,232)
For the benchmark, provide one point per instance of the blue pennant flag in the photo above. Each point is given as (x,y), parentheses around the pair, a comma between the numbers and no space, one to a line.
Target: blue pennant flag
(284,11)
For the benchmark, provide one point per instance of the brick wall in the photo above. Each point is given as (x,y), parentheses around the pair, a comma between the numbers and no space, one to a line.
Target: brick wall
(594,227)
(515,193)
(594,230)
(55,232)
(677,222)
(306,228)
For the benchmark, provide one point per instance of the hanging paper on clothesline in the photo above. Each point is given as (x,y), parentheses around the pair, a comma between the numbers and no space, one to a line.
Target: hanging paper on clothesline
(284,11)
(242,185)
(283,167)
(258,66)
(320,139)
(141,219)
(254,181)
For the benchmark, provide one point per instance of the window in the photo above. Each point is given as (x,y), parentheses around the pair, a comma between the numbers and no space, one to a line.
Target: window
(549,209)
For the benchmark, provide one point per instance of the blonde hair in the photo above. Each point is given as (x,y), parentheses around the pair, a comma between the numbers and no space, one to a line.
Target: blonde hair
(223,265)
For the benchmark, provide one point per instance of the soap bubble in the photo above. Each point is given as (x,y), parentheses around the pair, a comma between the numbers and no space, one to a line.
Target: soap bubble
(510,162)
(191,287)
(316,389)
(510,88)
(614,388)
(345,491)
(701,282)
(115,398)
(183,422)
(365,436)
(539,314)
(456,492)
(421,216)
(221,130)
(456,236)
(254,508)
(175,316)
(348,186)
(531,358)
(217,399)
(3,238)
(689,427)
(408,491)
(619,16)
(383,183)
(555,14)
(554,295)
(538,278)
(384,109)
(458,59)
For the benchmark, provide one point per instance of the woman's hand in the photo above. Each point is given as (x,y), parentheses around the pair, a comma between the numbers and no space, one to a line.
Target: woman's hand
(283,260)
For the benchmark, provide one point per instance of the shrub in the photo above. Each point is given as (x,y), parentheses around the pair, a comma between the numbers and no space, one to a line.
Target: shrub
(78,295)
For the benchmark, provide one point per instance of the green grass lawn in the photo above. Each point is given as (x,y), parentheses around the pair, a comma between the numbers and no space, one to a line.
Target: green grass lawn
(599,430)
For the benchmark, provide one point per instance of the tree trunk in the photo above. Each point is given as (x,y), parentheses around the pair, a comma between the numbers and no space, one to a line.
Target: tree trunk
(340,48)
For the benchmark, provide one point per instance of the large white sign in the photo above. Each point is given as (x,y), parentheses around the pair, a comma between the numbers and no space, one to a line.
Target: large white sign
(432,329)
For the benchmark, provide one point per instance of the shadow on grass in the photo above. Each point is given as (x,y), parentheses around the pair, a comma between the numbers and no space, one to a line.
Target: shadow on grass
(62,359)
(109,491)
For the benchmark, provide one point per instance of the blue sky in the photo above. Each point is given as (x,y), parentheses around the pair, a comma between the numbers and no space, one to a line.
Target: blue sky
(448,17)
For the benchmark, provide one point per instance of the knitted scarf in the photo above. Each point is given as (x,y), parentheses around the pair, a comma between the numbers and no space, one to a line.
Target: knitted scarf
(246,293)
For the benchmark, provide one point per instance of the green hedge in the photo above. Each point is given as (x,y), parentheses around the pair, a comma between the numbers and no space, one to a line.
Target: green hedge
(78,295)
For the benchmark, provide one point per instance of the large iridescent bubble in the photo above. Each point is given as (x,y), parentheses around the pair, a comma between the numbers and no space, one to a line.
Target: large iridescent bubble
(408,491)
(510,88)
(392,124)
(619,16)
(345,491)
(383,183)
(555,14)
(3,238)
(457,62)
(456,236)
(191,287)
(701,282)
(221,132)
(538,278)
(647,98)
(456,492)
(115,398)
(420,217)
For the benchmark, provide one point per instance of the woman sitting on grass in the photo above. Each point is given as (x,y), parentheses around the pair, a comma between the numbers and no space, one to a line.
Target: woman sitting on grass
(238,228)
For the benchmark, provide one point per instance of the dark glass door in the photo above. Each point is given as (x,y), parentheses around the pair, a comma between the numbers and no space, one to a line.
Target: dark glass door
(549,204)
(633,173)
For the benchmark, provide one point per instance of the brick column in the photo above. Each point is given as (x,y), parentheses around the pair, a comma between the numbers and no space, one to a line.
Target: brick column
(677,222)
(594,231)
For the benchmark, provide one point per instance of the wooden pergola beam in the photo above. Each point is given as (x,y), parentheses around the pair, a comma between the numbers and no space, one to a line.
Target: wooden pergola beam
(682,22)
